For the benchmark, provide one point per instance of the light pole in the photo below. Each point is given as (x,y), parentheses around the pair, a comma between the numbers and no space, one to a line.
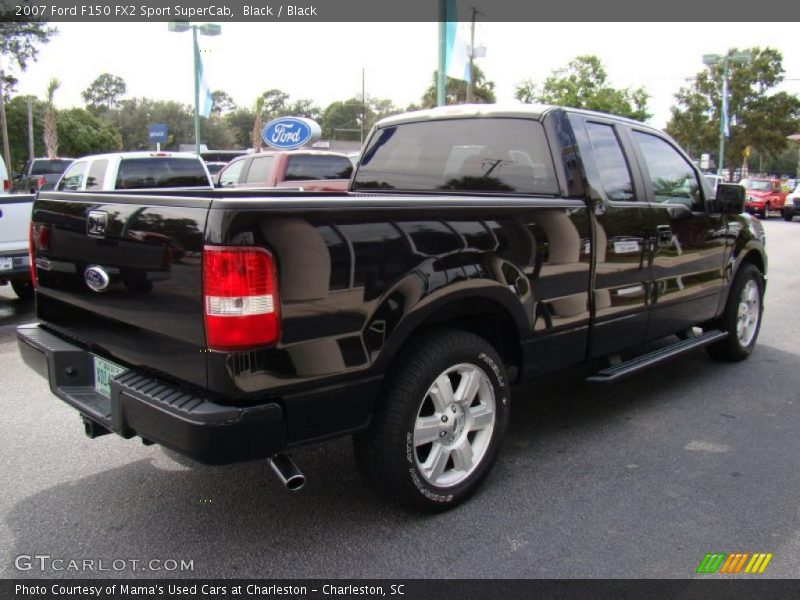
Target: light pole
(724,60)
(210,29)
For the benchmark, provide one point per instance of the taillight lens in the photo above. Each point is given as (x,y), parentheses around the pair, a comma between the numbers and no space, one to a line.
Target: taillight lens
(32,253)
(6,185)
(240,297)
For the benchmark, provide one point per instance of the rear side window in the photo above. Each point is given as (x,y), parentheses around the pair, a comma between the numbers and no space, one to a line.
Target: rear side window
(259,169)
(73,178)
(309,166)
(97,174)
(503,155)
(158,172)
(610,162)
(50,166)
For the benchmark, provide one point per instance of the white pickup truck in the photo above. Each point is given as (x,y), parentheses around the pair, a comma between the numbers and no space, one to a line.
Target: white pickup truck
(15,218)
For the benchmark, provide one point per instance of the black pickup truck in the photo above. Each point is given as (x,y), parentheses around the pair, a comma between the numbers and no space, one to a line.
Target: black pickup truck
(477,246)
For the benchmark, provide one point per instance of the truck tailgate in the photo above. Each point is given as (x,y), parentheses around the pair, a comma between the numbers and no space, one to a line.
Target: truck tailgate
(121,275)
(15,214)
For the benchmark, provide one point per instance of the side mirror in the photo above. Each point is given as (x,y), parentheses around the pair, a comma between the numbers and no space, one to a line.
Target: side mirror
(730,198)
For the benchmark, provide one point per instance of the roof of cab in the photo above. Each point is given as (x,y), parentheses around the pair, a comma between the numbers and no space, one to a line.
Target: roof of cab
(524,111)
(459,111)
(143,154)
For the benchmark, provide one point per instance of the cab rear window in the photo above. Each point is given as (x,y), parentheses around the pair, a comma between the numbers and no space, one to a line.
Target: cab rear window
(308,166)
(50,166)
(499,155)
(140,173)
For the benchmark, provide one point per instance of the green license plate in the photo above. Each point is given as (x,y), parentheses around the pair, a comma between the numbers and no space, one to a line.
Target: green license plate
(104,372)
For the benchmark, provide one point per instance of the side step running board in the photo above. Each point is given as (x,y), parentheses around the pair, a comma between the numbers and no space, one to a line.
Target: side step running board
(634,365)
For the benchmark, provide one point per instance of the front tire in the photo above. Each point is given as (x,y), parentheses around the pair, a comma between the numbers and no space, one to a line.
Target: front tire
(787,216)
(438,428)
(742,316)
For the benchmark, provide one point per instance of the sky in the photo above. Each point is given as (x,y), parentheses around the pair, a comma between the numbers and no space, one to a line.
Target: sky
(324,61)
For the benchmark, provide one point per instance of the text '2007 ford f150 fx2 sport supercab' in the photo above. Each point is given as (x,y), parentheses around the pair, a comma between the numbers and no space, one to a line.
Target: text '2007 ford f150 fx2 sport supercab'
(477,246)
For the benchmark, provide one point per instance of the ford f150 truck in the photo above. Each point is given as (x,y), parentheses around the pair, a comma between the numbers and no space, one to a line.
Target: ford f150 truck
(478,246)
(39,174)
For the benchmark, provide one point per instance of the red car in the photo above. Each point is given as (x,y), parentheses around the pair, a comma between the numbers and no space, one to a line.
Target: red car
(764,195)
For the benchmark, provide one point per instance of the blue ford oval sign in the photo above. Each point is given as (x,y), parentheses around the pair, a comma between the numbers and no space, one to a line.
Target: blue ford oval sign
(288,133)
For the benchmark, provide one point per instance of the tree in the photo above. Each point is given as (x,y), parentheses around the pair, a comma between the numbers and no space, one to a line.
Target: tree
(9,86)
(304,108)
(758,116)
(18,44)
(19,40)
(342,119)
(240,123)
(82,133)
(17,115)
(134,116)
(222,103)
(50,129)
(104,93)
(456,90)
(583,83)
(274,102)
(258,124)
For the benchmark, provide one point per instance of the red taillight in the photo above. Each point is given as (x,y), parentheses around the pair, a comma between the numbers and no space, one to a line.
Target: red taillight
(6,185)
(32,254)
(240,298)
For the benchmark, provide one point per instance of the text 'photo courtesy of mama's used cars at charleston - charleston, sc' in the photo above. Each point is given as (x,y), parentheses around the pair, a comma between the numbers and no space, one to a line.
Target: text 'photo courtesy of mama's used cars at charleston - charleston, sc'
(477,246)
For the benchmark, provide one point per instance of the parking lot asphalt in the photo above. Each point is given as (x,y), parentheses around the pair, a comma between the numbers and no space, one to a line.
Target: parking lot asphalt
(639,479)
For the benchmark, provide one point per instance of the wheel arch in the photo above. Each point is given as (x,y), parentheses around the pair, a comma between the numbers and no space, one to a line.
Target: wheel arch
(487,315)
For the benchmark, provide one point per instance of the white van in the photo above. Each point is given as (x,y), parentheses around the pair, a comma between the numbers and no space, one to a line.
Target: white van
(135,171)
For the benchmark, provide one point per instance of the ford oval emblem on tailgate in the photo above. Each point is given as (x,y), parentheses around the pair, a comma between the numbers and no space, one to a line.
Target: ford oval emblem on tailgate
(96,278)
(96,223)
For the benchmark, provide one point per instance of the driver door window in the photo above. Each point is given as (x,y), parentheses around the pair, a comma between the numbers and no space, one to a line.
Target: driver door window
(230,174)
(73,178)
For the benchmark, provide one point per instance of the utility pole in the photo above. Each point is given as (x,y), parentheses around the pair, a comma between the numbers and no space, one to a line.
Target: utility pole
(30,129)
(471,54)
(6,150)
(363,105)
(441,98)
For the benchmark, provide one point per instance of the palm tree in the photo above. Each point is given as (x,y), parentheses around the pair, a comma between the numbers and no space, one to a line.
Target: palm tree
(50,130)
(258,125)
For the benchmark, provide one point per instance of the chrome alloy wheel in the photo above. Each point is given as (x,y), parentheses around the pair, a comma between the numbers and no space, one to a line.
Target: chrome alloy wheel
(454,425)
(748,313)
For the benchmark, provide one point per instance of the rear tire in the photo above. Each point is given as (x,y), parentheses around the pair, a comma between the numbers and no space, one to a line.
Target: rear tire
(787,216)
(742,316)
(438,428)
(24,290)
(765,212)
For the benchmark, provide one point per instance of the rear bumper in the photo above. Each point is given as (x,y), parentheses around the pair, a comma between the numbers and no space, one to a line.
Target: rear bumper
(20,268)
(157,411)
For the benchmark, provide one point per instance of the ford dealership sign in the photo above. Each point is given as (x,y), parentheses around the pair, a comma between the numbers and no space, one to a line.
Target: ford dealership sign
(288,133)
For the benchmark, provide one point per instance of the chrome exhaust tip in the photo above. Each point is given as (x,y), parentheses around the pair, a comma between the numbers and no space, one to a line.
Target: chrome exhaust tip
(284,468)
